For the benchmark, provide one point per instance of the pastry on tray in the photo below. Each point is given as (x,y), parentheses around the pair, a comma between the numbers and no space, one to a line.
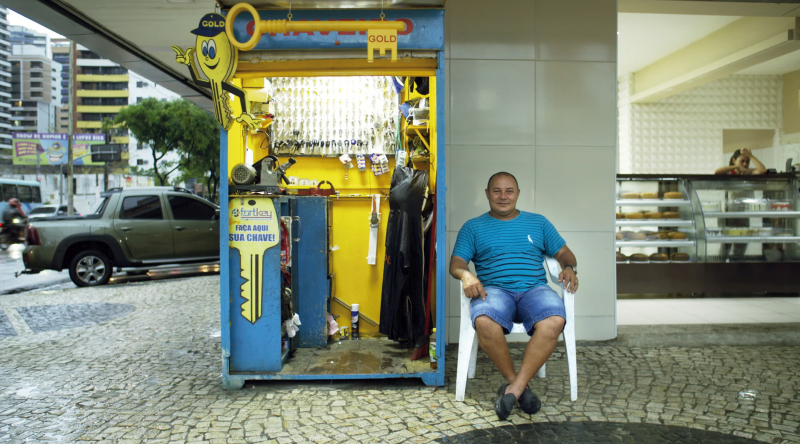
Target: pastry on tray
(649,195)
(673,195)
(659,257)
(629,195)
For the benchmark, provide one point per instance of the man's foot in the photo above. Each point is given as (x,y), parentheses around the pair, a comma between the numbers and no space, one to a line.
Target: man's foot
(504,403)
(529,402)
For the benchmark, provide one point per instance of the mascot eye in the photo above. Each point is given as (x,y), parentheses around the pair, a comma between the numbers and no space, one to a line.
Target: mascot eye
(205,48)
(212,49)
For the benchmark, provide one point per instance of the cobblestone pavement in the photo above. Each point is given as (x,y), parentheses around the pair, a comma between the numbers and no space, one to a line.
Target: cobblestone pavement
(153,375)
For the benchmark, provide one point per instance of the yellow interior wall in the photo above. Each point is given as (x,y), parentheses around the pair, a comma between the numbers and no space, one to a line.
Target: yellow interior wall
(355,281)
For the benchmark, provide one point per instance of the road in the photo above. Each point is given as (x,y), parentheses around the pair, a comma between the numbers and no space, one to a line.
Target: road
(11,261)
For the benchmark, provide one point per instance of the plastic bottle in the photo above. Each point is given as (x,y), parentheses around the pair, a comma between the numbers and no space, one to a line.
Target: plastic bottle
(354,321)
(432,349)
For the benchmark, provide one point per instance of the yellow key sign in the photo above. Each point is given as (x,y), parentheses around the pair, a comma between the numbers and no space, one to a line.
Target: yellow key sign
(381,39)
(253,228)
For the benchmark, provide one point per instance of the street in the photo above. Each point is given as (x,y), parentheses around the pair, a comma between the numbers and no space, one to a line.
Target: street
(11,262)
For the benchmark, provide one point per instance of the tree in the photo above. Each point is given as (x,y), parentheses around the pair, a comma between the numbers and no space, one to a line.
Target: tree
(175,126)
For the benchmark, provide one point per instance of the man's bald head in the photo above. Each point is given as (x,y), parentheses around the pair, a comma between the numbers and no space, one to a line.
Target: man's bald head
(501,174)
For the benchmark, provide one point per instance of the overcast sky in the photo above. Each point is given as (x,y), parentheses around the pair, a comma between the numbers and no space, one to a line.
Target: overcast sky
(19,20)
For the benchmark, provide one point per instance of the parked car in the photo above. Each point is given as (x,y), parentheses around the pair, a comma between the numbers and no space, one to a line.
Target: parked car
(50,211)
(128,228)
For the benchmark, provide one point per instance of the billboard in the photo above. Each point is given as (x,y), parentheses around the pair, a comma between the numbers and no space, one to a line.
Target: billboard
(51,148)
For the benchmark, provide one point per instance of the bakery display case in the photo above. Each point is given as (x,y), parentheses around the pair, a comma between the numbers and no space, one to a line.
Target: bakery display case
(693,234)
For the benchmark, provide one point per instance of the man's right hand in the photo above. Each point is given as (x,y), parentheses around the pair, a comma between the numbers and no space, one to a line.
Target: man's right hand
(472,286)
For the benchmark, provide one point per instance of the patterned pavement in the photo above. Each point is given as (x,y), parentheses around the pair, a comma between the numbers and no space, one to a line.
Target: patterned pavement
(141,363)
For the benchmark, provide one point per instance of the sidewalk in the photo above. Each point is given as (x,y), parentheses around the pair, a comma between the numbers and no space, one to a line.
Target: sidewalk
(149,371)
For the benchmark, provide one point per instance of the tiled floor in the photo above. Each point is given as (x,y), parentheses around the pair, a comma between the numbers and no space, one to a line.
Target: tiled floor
(708,311)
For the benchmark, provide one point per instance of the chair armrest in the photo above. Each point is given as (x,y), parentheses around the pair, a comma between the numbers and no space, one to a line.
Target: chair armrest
(465,301)
(553,268)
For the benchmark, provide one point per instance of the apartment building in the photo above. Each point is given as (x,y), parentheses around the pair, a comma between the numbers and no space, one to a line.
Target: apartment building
(35,82)
(5,88)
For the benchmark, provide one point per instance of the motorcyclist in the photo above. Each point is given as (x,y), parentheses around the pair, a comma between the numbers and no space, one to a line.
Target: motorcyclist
(11,214)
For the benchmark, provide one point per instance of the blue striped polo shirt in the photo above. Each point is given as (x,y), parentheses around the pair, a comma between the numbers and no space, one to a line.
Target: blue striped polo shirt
(509,253)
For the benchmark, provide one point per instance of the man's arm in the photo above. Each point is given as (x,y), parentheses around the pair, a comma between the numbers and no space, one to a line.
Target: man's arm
(567,260)
(459,269)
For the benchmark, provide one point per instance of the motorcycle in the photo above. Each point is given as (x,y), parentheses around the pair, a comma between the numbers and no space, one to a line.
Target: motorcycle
(13,233)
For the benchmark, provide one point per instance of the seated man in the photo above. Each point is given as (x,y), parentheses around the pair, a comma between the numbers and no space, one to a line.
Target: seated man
(508,248)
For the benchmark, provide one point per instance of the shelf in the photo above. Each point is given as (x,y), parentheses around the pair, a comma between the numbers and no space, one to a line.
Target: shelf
(738,214)
(653,203)
(752,239)
(656,243)
(421,128)
(654,223)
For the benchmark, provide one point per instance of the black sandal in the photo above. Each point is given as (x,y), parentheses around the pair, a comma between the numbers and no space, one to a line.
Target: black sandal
(529,402)
(504,403)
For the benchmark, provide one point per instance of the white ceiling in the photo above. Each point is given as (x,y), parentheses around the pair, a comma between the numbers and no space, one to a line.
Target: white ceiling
(646,38)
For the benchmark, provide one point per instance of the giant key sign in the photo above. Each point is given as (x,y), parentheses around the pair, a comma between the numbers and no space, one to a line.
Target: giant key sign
(253,228)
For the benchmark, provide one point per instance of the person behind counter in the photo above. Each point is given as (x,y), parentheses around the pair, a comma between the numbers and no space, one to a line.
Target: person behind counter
(740,164)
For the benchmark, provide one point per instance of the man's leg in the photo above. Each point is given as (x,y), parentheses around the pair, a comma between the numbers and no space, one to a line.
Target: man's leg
(538,351)
(493,342)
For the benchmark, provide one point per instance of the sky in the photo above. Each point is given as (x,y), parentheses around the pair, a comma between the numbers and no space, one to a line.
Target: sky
(19,20)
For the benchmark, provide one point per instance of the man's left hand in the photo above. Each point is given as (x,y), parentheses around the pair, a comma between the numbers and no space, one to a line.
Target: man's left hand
(570,280)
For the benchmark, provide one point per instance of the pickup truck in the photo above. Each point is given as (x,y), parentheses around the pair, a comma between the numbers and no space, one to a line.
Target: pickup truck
(128,228)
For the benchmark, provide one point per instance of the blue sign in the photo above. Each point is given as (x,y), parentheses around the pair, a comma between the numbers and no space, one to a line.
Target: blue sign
(424,29)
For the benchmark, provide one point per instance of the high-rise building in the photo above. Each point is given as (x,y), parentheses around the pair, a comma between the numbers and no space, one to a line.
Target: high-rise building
(5,88)
(35,82)
(60,49)
(140,89)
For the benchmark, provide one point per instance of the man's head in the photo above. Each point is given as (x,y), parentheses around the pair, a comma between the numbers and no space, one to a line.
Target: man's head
(14,202)
(502,191)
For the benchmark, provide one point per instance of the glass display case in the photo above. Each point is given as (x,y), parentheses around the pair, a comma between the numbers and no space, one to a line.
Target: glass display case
(707,234)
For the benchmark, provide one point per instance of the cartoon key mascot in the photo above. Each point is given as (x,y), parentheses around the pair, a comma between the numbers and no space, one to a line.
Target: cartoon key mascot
(218,60)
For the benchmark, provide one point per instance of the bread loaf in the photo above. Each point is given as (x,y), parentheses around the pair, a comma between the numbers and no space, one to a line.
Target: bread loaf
(620,215)
(620,236)
(663,234)
(621,257)
(634,216)
(680,257)
(671,215)
(653,215)
(677,235)
(649,195)
(637,236)
(638,257)
(673,195)
(629,195)
(659,257)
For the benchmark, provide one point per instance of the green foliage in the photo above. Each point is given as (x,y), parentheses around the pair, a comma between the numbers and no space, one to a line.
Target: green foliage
(175,126)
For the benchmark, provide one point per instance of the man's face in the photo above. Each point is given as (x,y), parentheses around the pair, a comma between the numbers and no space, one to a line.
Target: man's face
(503,194)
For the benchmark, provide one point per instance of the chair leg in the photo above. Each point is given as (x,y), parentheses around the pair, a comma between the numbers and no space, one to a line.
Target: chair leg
(473,357)
(542,373)
(572,364)
(466,342)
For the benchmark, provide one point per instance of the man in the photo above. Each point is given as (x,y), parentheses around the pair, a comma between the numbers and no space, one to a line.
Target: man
(508,248)
(13,211)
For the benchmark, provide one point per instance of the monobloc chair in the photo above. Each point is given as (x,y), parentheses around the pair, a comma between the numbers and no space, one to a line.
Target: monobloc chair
(468,343)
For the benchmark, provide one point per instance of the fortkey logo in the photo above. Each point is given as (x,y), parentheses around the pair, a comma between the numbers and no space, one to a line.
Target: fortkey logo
(235,212)
(255,213)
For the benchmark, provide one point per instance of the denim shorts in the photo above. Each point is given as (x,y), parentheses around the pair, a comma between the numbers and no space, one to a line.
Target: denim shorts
(509,307)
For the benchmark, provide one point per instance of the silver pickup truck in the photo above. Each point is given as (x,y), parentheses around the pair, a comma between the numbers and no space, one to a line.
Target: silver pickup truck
(128,228)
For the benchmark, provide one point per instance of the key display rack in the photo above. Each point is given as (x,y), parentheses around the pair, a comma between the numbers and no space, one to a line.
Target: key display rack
(698,234)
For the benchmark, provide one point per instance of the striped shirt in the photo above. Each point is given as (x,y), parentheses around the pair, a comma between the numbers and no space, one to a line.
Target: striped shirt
(509,253)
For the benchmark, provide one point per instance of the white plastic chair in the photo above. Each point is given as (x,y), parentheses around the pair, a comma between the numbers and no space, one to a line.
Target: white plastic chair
(468,344)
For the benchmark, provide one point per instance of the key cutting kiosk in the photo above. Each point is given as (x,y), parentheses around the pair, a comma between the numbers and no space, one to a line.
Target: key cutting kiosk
(333,190)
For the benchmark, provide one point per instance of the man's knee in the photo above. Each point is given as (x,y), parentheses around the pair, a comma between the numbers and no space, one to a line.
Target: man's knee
(551,326)
(484,324)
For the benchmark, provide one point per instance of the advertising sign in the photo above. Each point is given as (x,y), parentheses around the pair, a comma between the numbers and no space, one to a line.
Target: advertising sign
(423,29)
(51,148)
(253,228)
